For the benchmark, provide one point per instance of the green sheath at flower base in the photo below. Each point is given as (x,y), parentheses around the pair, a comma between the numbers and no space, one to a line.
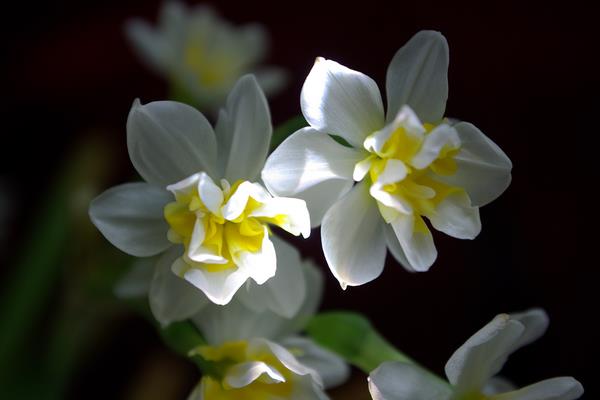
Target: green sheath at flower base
(353,337)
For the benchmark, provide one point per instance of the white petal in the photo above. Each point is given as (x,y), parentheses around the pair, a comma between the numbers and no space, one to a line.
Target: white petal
(260,266)
(136,282)
(238,200)
(418,76)
(171,297)
(331,368)
(235,321)
(352,238)
(536,323)
(130,216)
(340,101)
(312,300)
(320,197)
(297,220)
(418,246)
(400,381)
(244,144)
(169,141)
(218,286)
(563,388)
(394,246)
(243,374)
(483,168)
(307,158)
(456,217)
(210,193)
(484,354)
(198,392)
(440,136)
(284,293)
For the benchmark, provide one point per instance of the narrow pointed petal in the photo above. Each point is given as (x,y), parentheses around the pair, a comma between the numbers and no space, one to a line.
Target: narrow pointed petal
(130,216)
(483,168)
(417,243)
(340,101)
(536,323)
(456,217)
(418,76)
(331,368)
(353,239)
(171,298)
(169,141)
(283,294)
(400,381)
(563,388)
(483,355)
(395,248)
(245,135)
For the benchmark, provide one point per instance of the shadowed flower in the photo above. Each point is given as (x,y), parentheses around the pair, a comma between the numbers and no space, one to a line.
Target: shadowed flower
(203,55)
(408,164)
(199,198)
(256,354)
(472,368)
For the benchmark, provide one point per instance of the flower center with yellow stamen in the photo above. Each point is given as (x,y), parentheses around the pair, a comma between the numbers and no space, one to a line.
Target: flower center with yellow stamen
(221,240)
(415,189)
(224,363)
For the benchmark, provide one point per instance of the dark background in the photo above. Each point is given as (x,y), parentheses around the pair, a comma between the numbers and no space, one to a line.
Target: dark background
(525,74)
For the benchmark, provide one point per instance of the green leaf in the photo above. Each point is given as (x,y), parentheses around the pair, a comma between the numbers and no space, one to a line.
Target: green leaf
(286,129)
(352,336)
(183,337)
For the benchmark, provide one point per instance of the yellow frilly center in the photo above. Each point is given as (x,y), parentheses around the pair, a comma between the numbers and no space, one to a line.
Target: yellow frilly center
(224,238)
(229,354)
(419,187)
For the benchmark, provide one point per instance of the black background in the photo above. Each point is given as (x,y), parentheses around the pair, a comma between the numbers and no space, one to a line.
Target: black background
(525,74)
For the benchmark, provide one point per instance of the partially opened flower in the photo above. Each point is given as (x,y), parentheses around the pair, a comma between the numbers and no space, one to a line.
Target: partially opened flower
(202,54)
(472,368)
(200,200)
(253,354)
(407,164)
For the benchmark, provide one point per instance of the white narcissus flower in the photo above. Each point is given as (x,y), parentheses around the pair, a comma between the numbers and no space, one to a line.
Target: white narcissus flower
(408,164)
(255,354)
(203,54)
(472,368)
(199,205)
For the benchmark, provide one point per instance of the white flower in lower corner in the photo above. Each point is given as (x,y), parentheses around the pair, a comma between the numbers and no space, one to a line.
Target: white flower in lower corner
(202,54)
(200,201)
(255,354)
(408,164)
(472,368)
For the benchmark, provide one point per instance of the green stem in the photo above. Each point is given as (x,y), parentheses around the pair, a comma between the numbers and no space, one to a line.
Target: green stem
(352,336)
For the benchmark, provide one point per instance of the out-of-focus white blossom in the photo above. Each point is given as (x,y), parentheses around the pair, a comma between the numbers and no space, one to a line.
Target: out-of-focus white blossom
(203,55)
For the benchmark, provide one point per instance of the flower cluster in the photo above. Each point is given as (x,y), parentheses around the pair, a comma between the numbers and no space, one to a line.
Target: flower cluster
(203,221)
